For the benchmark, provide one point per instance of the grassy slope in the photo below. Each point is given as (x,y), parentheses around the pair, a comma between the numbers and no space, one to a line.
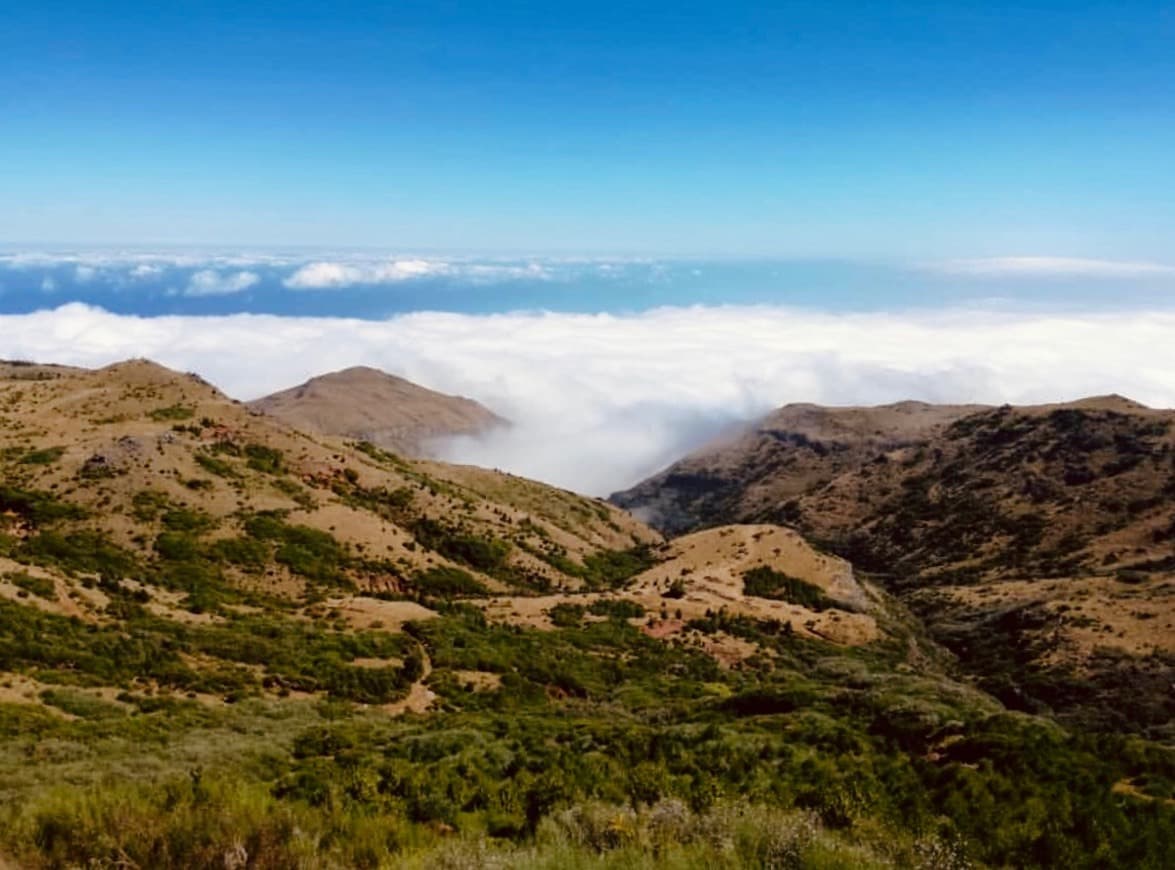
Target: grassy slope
(196,674)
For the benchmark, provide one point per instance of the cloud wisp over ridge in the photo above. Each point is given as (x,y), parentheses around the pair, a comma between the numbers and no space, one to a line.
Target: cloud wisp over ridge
(599,401)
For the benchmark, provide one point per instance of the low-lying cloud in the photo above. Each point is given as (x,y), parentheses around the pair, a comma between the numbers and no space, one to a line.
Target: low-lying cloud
(209,282)
(1063,267)
(600,401)
(329,274)
(212,272)
(323,274)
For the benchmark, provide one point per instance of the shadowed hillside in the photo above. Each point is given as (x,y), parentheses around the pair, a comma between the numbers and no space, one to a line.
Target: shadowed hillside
(956,508)
(794,450)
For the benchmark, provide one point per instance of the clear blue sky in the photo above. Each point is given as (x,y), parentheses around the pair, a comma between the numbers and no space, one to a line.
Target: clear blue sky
(824,129)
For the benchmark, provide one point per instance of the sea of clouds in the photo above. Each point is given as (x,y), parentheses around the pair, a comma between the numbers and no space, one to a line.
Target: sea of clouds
(374,284)
(599,401)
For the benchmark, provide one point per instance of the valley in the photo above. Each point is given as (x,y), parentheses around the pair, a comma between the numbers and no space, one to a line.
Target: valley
(233,636)
(1033,542)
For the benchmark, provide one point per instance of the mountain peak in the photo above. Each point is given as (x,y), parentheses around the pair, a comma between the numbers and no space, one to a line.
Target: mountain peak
(368,404)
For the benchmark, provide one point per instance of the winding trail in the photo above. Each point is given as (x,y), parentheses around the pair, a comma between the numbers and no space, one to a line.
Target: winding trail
(420,696)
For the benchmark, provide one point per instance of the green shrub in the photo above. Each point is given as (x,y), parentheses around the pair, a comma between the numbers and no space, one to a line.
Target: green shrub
(216,466)
(565,615)
(188,520)
(445,581)
(616,608)
(477,551)
(81,704)
(177,546)
(265,459)
(172,412)
(611,569)
(80,551)
(312,553)
(766,582)
(46,456)
(148,504)
(38,508)
(247,553)
(42,587)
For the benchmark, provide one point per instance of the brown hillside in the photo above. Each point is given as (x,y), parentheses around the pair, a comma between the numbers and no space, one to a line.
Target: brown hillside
(139,451)
(135,493)
(704,573)
(967,512)
(792,451)
(366,404)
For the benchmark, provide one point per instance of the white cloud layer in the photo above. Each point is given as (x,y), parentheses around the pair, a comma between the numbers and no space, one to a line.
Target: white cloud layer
(146,271)
(331,274)
(1055,266)
(600,401)
(209,282)
(325,275)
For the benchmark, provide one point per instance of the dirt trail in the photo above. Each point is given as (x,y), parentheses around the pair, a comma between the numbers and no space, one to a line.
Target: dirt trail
(420,696)
(1127,787)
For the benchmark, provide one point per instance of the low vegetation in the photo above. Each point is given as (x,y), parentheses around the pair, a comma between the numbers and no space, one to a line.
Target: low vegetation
(585,752)
(247,649)
(766,582)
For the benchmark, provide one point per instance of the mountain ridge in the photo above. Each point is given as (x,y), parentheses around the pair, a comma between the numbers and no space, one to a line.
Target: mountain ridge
(228,642)
(1048,527)
(368,404)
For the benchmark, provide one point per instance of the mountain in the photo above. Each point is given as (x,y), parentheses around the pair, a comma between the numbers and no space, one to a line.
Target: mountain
(965,512)
(366,404)
(794,450)
(226,642)
(134,444)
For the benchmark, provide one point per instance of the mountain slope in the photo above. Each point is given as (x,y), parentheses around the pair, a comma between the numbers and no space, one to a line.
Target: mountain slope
(366,404)
(957,509)
(225,642)
(131,445)
(791,451)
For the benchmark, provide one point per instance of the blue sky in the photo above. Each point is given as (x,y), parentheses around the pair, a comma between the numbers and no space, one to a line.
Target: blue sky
(623,226)
(897,131)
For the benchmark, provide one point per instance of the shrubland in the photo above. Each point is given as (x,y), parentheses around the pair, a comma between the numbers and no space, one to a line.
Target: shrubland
(228,645)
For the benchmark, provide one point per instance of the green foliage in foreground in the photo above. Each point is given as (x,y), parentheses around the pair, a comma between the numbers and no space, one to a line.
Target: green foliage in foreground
(594,746)
(292,654)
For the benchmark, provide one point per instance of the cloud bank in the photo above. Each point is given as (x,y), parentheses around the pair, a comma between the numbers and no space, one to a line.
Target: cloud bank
(599,401)
(328,274)
(1069,267)
(209,282)
(325,274)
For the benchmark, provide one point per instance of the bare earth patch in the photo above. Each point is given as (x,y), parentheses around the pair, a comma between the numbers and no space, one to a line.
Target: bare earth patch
(363,612)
